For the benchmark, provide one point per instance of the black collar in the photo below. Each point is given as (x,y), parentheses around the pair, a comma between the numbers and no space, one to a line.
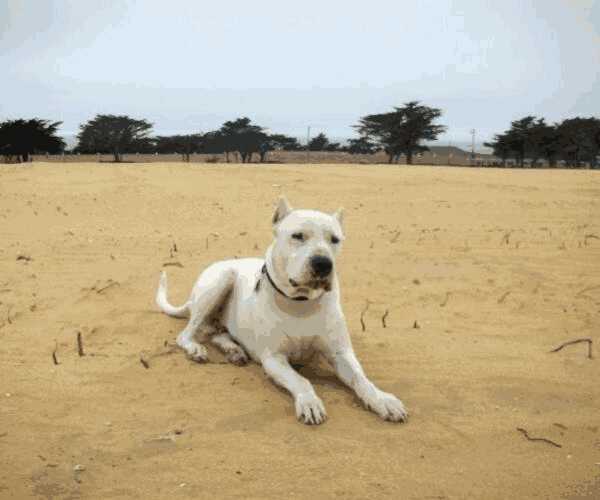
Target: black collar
(266,273)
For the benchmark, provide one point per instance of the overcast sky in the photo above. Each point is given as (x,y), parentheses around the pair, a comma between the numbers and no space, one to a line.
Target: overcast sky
(190,65)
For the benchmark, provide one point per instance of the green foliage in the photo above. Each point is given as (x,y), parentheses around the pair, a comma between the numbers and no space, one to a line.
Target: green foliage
(402,130)
(21,138)
(184,145)
(579,140)
(574,141)
(283,142)
(361,146)
(113,134)
(242,136)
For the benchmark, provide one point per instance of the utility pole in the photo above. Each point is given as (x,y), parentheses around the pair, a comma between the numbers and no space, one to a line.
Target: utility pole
(307,145)
(472,146)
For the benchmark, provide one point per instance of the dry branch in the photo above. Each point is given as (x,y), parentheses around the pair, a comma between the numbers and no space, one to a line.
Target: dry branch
(362,316)
(174,264)
(100,290)
(589,236)
(586,289)
(385,315)
(145,363)
(544,440)
(577,341)
(80,345)
(54,359)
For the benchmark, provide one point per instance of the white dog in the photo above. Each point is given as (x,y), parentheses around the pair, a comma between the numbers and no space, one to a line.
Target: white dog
(281,309)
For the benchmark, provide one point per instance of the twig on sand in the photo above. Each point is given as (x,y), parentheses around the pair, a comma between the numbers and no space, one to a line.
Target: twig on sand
(54,359)
(577,341)
(385,315)
(443,304)
(174,264)
(581,292)
(145,363)
(362,316)
(503,298)
(8,315)
(544,440)
(100,290)
(80,345)
(589,236)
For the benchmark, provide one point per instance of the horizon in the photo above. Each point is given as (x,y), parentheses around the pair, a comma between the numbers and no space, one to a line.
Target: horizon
(192,67)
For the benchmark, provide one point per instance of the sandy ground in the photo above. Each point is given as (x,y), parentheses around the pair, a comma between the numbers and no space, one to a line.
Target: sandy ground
(496,267)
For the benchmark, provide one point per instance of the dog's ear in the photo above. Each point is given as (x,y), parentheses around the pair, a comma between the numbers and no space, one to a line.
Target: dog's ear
(339,215)
(282,210)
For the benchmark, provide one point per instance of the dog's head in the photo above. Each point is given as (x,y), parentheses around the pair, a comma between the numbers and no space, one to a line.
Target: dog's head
(303,254)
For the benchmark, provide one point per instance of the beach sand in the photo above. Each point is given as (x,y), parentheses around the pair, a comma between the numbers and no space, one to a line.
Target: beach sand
(481,271)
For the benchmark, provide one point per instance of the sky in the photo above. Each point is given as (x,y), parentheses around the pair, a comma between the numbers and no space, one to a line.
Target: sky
(190,65)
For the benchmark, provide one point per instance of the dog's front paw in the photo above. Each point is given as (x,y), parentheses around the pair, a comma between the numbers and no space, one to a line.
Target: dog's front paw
(237,356)
(310,409)
(388,407)
(196,352)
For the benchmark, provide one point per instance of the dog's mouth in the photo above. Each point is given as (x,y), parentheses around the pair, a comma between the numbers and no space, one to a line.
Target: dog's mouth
(313,284)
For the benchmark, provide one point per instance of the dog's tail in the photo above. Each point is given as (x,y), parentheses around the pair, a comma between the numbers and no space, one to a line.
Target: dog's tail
(162,302)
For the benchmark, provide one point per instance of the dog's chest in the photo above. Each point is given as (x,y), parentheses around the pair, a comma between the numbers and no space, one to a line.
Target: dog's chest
(299,348)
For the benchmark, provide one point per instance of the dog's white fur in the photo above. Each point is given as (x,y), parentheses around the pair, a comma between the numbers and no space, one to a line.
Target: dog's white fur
(234,303)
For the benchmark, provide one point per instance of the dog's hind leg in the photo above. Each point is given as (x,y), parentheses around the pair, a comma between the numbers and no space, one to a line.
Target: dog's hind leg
(234,352)
(209,293)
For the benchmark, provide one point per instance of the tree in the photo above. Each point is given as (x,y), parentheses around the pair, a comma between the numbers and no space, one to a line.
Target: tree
(278,142)
(579,140)
(185,145)
(500,146)
(113,134)
(402,130)
(547,142)
(284,142)
(528,137)
(520,138)
(242,136)
(21,138)
(213,142)
(319,143)
(361,146)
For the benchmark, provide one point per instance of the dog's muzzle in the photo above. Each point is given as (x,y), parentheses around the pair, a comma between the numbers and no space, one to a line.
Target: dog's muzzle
(321,266)
(320,275)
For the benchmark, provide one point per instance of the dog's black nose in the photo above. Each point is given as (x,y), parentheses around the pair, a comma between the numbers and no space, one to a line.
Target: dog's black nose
(321,265)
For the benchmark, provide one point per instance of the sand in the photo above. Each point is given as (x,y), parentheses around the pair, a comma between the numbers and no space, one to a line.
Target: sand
(494,268)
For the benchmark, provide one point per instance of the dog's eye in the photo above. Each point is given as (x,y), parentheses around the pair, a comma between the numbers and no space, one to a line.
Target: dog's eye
(298,236)
(335,240)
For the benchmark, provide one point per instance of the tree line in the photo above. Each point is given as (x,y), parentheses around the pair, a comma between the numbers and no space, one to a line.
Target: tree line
(575,141)
(400,132)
